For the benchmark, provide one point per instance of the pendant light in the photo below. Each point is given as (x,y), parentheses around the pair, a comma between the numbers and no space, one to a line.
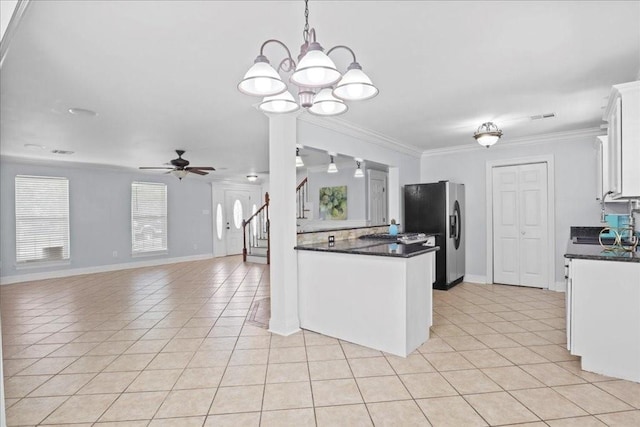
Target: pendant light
(299,162)
(314,74)
(359,173)
(487,134)
(332,166)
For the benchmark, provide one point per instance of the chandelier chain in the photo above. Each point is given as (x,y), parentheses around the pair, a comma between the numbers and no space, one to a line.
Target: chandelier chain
(305,32)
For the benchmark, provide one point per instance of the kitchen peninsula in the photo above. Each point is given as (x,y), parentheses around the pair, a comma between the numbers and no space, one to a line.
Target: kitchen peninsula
(369,292)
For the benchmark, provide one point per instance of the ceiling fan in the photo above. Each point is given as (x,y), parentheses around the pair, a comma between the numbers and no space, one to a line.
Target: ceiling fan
(180,167)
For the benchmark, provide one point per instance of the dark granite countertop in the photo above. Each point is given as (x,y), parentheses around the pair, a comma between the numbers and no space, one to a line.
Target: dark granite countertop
(597,252)
(370,247)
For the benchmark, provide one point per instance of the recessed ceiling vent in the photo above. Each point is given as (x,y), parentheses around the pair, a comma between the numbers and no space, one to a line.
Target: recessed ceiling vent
(61,152)
(543,116)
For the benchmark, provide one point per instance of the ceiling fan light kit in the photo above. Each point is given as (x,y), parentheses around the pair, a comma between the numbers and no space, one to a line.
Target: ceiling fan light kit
(487,134)
(315,74)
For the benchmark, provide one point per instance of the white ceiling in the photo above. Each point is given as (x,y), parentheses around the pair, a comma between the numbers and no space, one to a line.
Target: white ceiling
(162,75)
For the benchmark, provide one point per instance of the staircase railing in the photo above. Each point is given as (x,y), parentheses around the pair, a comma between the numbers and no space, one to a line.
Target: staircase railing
(301,198)
(258,229)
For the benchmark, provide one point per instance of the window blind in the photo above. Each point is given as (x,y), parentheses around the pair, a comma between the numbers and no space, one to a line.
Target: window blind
(148,217)
(42,219)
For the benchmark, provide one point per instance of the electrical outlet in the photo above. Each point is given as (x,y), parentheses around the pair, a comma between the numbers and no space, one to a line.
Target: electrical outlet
(115,254)
(332,240)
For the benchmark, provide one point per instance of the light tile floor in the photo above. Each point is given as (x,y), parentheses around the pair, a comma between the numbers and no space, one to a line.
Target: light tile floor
(178,345)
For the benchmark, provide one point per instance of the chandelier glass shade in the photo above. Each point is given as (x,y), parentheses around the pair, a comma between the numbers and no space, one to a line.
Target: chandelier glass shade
(321,88)
(281,103)
(355,85)
(487,134)
(325,104)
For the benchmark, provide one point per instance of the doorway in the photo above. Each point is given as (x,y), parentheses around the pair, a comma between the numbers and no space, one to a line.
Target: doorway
(520,222)
(377,197)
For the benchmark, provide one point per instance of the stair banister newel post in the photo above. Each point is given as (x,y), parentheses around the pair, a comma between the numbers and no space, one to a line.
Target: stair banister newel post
(244,241)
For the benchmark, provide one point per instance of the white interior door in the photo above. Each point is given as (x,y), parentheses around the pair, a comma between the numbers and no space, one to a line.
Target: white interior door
(520,225)
(377,197)
(237,207)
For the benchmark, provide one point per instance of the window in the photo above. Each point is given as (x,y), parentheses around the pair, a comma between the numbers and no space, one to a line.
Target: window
(42,219)
(148,217)
(219,221)
(237,214)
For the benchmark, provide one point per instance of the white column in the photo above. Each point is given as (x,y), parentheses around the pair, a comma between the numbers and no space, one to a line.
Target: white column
(282,213)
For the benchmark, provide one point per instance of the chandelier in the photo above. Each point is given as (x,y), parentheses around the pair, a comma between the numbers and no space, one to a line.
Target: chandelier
(487,134)
(322,89)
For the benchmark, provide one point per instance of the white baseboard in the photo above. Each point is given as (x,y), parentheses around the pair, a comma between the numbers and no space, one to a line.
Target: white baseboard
(560,286)
(19,278)
(473,278)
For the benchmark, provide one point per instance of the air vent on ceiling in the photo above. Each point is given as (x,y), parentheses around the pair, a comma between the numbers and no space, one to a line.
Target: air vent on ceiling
(61,152)
(543,116)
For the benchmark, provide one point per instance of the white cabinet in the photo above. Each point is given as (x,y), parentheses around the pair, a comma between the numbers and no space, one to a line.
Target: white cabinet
(603,316)
(622,171)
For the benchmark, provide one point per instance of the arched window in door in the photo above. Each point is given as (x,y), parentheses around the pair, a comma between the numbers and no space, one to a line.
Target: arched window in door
(237,214)
(219,221)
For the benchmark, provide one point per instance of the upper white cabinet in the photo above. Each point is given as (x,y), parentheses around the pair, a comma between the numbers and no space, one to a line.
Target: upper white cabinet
(622,156)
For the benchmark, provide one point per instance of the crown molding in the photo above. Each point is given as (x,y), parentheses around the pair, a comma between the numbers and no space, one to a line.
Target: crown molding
(350,129)
(519,142)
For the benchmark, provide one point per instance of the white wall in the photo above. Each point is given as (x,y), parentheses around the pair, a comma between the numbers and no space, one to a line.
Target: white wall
(356,191)
(575,189)
(100,216)
(404,165)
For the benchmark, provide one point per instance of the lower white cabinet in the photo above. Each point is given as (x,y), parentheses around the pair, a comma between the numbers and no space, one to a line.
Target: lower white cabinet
(603,316)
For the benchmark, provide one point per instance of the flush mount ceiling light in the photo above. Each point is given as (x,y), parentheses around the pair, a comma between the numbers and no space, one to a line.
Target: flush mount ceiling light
(359,173)
(332,166)
(252,178)
(487,134)
(315,75)
(82,112)
(299,162)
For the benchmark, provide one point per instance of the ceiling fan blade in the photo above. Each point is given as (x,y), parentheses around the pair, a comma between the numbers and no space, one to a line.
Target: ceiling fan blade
(196,171)
(204,168)
(152,167)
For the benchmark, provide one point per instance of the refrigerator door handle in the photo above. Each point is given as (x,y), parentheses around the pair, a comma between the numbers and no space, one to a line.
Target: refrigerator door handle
(453,225)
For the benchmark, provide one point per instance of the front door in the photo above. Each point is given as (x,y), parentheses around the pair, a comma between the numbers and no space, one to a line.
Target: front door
(520,225)
(237,208)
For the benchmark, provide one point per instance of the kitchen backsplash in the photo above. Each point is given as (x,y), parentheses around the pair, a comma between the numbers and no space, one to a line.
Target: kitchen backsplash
(351,233)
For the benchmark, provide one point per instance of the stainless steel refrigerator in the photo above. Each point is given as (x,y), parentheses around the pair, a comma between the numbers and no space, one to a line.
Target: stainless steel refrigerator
(438,208)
